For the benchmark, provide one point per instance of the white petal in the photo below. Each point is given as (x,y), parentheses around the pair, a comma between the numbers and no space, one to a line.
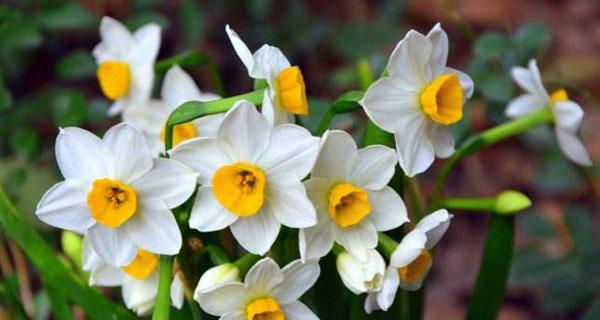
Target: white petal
(81,155)
(434,225)
(465,82)
(90,258)
(115,36)
(409,62)
(64,206)
(530,80)
(572,147)
(208,214)
(264,276)
(245,130)
(298,311)
(112,245)
(204,156)
(387,209)
(257,233)
(298,278)
(385,297)
(371,302)
(317,190)
(242,51)
(268,108)
(224,298)
(105,275)
(361,276)
(524,104)
(336,156)
(408,249)
(317,241)
(568,115)
(442,140)
(168,180)
(208,126)
(269,62)
(439,49)
(386,103)
(415,150)
(154,228)
(373,167)
(142,79)
(148,43)
(137,294)
(234,315)
(292,149)
(288,202)
(131,156)
(357,239)
(177,292)
(178,88)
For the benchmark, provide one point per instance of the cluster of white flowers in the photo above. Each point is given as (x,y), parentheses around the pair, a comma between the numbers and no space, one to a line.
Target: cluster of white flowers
(247,170)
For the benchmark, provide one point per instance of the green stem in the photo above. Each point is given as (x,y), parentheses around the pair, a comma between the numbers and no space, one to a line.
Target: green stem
(346,102)
(325,122)
(386,245)
(486,138)
(494,270)
(192,110)
(365,74)
(416,199)
(162,306)
(487,204)
(246,262)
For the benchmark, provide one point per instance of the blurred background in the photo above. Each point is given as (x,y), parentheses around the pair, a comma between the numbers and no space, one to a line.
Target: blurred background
(47,80)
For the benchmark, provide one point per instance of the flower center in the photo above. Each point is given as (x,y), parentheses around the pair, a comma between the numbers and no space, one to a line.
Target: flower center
(114,78)
(442,99)
(240,188)
(181,132)
(144,265)
(111,202)
(348,204)
(559,95)
(264,309)
(292,91)
(375,283)
(416,269)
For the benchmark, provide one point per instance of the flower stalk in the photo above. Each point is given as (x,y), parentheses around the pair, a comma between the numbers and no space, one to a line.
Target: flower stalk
(162,305)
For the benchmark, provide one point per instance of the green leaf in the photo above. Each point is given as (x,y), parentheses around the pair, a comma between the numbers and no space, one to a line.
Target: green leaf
(593,312)
(536,225)
(70,16)
(24,141)
(491,45)
(582,230)
(497,88)
(5,95)
(19,36)
(193,59)
(52,270)
(191,20)
(347,102)
(146,17)
(78,64)
(68,108)
(530,39)
(557,174)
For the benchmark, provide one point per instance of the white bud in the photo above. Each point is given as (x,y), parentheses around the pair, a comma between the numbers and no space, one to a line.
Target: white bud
(226,272)
(360,277)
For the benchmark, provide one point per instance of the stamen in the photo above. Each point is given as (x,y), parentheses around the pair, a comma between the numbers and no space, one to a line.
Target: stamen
(111,202)
(240,188)
(348,204)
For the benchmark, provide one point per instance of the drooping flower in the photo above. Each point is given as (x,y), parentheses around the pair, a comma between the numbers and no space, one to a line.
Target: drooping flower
(178,87)
(250,177)
(138,279)
(286,94)
(418,99)
(567,114)
(349,190)
(222,273)
(126,63)
(412,259)
(116,193)
(268,292)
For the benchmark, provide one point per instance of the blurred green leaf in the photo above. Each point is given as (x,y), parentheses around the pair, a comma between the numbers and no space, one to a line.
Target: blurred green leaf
(41,305)
(593,312)
(145,17)
(557,174)
(9,292)
(582,227)
(20,35)
(497,88)
(191,20)
(70,16)
(24,141)
(78,64)
(68,107)
(5,95)
(535,225)
(530,39)
(97,110)
(491,45)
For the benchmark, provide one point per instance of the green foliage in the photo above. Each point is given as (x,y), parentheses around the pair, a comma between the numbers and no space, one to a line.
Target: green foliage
(76,65)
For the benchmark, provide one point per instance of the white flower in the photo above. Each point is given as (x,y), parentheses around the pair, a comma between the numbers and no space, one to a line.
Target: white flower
(250,177)
(267,293)
(126,63)
(349,190)
(138,279)
(411,260)
(226,272)
(567,114)
(151,117)
(116,193)
(286,95)
(419,99)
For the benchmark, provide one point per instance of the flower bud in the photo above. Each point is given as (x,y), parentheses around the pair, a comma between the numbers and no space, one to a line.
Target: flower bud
(509,202)
(72,245)
(361,276)
(222,273)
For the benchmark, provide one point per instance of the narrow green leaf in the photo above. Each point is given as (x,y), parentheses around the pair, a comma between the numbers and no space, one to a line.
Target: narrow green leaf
(52,270)
(494,270)
(58,303)
(78,64)
(346,102)
(193,59)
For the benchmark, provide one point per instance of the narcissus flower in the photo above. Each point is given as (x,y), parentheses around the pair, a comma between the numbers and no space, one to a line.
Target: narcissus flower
(250,177)
(178,87)
(412,259)
(418,99)
(226,272)
(116,193)
(349,190)
(567,114)
(126,63)
(138,279)
(286,95)
(268,292)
